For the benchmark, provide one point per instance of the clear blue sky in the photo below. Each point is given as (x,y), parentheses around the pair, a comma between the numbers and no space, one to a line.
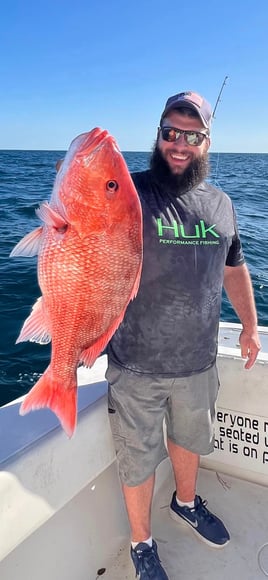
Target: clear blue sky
(68,66)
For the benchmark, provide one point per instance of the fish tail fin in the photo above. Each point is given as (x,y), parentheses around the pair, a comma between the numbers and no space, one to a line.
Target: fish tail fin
(51,393)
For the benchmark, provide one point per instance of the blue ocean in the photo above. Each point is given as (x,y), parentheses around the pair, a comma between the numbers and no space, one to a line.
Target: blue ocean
(26,179)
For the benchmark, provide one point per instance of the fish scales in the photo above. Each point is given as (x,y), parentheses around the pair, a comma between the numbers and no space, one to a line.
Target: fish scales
(89,266)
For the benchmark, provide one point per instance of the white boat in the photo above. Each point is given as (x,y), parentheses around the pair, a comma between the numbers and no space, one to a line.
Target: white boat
(62,515)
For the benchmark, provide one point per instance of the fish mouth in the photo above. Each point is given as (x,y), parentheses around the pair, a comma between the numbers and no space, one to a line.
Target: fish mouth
(89,142)
(84,148)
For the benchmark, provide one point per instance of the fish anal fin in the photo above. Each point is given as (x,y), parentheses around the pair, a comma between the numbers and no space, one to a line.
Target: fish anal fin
(90,354)
(35,327)
(51,393)
(135,288)
(29,245)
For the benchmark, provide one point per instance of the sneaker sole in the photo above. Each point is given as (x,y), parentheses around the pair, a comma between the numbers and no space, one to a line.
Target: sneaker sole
(178,519)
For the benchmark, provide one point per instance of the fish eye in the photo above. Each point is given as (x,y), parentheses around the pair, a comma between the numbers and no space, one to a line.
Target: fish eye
(111,185)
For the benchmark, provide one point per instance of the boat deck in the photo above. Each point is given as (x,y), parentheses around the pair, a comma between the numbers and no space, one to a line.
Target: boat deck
(243,508)
(61,509)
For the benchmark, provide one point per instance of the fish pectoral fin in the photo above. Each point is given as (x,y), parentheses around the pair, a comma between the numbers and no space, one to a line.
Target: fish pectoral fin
(35,327)
(29,245)
(50,216)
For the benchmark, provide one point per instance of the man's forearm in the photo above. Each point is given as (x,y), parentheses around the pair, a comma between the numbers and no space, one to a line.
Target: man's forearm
(238,286)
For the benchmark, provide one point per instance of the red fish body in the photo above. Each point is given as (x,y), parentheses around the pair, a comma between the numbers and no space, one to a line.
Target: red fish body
(89,265)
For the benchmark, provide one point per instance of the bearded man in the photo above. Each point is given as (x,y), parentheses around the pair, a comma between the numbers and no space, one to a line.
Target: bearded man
(162,359)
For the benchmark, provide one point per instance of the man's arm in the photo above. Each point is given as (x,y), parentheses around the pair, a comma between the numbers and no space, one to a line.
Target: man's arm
(238,286)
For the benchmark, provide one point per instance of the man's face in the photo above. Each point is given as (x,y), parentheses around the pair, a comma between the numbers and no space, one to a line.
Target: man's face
(178,154)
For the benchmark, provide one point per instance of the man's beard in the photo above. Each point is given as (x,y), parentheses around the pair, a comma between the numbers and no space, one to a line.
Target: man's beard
(177,184)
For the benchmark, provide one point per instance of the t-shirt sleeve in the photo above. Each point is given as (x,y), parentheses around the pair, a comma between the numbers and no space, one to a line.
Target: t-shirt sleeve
(235,255)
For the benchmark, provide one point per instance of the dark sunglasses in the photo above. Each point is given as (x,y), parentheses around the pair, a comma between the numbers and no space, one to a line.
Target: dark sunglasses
(172,134)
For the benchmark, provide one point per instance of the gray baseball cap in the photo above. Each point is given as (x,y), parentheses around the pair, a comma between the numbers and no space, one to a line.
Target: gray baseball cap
(192,101)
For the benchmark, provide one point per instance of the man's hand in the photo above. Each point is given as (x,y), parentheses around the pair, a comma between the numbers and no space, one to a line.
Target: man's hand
(238,286)
(250,346)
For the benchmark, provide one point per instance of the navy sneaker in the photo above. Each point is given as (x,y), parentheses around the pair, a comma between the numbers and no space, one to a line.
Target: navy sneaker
(147,563)
(209,528)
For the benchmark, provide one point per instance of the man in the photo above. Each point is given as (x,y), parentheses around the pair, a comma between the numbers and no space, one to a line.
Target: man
(161,360)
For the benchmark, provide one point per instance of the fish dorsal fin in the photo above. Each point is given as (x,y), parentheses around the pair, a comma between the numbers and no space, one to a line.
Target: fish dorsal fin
(50,216)
(29,245)
(35,327)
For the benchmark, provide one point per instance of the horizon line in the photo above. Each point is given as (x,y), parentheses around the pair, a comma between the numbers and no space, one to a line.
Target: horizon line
(141,151)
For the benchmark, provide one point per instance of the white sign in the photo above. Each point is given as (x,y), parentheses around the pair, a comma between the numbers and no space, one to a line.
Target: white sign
(241,439)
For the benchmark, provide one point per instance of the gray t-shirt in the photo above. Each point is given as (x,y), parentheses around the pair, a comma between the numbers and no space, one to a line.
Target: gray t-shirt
(171,327)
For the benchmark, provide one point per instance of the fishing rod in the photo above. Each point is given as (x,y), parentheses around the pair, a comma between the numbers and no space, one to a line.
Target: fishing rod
(219,97)
(213,117)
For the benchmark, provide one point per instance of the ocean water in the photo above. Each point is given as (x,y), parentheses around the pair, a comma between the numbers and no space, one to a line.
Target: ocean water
(26,179)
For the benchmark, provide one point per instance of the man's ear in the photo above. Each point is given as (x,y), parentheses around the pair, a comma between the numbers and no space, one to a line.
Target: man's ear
(208,143)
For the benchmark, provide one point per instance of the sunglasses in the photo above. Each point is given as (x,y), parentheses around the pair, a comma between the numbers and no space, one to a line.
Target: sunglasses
(172,134)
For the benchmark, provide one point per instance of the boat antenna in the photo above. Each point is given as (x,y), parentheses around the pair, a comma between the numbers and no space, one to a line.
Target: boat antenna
(219,97)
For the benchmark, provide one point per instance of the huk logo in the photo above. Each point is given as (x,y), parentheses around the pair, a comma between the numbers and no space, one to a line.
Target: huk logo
(200,235)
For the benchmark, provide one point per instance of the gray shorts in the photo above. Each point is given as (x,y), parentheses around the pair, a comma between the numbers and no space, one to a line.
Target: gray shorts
(138,405)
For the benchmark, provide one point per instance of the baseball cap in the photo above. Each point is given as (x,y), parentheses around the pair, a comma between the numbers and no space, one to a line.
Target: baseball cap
(192,101)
